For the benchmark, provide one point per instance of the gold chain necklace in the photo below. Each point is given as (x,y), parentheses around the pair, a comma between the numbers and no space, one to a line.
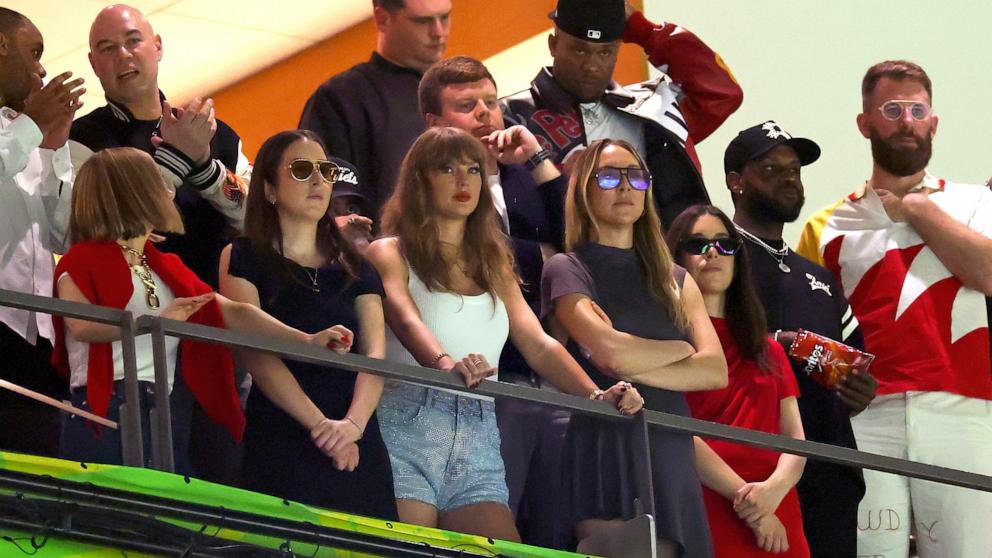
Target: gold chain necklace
(144,274)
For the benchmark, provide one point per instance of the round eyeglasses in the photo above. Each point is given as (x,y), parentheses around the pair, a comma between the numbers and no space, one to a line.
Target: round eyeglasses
(894,109)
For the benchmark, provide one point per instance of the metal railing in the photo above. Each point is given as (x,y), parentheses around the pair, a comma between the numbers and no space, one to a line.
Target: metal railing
(161,435)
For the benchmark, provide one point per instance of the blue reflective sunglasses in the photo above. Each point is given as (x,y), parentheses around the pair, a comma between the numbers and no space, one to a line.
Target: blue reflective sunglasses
(609,178)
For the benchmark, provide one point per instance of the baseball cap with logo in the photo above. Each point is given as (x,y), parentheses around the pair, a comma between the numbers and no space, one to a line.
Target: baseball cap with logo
(598,21)
(346,181)
(762,138)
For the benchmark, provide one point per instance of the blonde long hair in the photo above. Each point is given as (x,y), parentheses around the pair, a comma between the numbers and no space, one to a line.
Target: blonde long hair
(653,256)
(409,214)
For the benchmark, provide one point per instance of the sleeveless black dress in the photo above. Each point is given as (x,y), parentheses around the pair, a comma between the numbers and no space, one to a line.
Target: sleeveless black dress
(280,458)
(598,461)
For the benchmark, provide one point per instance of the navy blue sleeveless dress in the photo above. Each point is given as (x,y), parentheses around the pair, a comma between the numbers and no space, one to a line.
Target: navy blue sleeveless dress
(280,458)
(598,462)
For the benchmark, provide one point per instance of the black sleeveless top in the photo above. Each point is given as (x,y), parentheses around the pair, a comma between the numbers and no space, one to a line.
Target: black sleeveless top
(598,458)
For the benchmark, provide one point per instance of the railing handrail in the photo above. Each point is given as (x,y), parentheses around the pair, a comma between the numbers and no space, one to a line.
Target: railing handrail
(434,378)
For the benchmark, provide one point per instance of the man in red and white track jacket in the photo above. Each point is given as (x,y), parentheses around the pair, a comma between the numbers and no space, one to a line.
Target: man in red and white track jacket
(914,255)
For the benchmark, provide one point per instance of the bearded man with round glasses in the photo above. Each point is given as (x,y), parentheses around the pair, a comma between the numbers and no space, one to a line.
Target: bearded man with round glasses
(913,253)
(763,166)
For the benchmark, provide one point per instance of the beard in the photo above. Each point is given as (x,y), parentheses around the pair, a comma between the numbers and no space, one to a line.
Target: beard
(771,210)
(901,160)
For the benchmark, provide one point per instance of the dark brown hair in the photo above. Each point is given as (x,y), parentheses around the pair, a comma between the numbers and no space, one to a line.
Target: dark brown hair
(389,5)
(896,70)
(119,193)
(653,257)
(409,214)
(451,71)
(743,310)
(262,226)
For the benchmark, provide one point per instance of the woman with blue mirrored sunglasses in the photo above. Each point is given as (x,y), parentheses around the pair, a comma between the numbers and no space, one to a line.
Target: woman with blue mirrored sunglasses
(609,178)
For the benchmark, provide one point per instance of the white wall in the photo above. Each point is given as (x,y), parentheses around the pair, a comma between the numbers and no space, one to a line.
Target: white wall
(801,62)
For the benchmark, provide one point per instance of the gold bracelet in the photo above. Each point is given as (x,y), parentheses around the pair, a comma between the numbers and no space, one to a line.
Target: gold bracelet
(361,432)
(596,394)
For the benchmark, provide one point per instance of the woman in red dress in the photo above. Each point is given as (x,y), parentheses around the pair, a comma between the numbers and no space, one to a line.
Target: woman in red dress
(750,493)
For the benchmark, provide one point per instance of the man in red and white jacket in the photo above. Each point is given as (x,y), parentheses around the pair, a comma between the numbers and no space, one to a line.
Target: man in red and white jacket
(575,101)
(914,256)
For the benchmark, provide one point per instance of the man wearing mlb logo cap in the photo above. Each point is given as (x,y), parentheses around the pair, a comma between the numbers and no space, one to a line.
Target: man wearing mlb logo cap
(575,102)
(763,167)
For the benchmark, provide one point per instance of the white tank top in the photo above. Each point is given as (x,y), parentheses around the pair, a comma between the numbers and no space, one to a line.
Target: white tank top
(463,324)
(79,353)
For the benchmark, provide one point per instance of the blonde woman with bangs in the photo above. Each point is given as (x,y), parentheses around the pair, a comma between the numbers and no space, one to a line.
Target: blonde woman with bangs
(118,200)
(452,300)
(626,311)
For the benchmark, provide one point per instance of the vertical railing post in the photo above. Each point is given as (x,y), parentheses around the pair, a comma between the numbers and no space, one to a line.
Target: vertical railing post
(163,458)
(132,447)
(642,464)
(642,472)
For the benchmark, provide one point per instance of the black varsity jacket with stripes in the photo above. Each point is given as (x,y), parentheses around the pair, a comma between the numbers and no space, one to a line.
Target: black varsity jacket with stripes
(210,197)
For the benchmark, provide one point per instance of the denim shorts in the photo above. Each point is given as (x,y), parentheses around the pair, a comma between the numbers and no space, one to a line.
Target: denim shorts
(444,448)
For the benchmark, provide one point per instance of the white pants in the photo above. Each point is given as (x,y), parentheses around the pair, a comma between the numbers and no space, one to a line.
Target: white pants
(936,428)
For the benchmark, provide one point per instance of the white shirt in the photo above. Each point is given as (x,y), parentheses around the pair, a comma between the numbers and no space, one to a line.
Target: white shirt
(35,193)
(463,324)
(79,353)
(602,122)
(499,201)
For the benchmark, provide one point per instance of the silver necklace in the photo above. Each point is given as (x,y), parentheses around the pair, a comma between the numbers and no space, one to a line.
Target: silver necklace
(778,253)
(312,277)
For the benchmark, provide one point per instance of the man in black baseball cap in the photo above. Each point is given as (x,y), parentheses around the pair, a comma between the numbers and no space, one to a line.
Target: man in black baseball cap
(347,201)
(773,198)
(763,167)
(575,101)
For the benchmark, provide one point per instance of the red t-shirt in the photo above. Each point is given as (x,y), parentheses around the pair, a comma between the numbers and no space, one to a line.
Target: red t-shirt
(750,400)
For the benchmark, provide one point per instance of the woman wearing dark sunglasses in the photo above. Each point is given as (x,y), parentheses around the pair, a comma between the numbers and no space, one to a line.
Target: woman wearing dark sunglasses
(629,312)
(750,493)
(312,433)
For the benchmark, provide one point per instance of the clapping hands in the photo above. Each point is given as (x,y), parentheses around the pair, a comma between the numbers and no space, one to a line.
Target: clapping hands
(189,129)
(53,106)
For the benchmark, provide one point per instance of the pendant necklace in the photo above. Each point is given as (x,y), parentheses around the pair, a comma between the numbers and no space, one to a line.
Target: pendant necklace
(457,259)
(144,274)
(312,277)
(778,253)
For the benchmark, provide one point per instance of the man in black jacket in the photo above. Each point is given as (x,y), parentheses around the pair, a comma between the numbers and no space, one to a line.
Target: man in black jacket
(368,114)
(199,157)
(201,161)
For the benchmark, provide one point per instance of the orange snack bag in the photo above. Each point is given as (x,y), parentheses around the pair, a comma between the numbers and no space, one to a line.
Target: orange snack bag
(827,361)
